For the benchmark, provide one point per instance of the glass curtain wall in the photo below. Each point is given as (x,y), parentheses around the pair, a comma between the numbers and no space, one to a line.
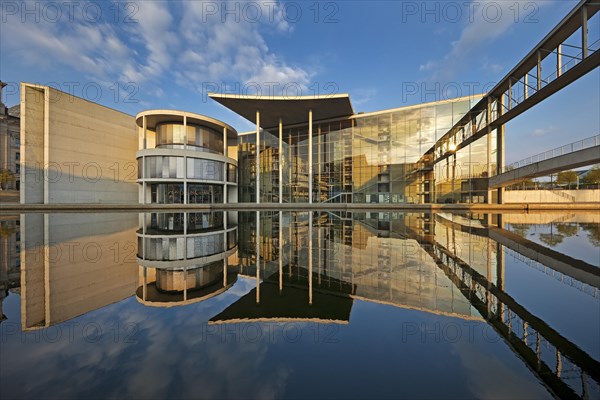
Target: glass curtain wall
(371,158)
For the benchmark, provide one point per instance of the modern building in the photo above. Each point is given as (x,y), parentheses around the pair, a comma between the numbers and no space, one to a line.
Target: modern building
(312,149)
(318,150)
(10,143)
(185,257)
(185,158)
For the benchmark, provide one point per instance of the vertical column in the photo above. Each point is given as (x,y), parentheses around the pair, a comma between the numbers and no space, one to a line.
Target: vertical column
(525,86)
(225,272)
(310,257)
(145,283)
(185,277)
(539,70)
(185,137)
(46,144)
(489,279)
(500,149)
(558,60)
(185,231)
(319,162)
(584,32)
(185,172)
(453,175)
(280,154)
(310,156)
(257,257)
(488,119)
(280,250)
(257,157)
(142,173)
(500,266)
(225,167)
(510,96)
(291,163)
(320,252)
(144,127)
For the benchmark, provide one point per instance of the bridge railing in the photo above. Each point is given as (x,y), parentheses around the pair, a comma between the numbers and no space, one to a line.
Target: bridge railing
(559,151)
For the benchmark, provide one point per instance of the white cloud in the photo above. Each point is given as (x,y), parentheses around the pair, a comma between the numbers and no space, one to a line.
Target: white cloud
(490,20)
(427,66)
(363,96)
(543,131)
(169,40)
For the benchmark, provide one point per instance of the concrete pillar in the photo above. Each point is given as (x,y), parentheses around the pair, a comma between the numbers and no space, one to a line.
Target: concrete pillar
(310,157)
(280,154)
(257,156)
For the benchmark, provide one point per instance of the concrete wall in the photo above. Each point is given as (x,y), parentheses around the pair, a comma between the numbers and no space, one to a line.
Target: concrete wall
(552,196)
(75,151)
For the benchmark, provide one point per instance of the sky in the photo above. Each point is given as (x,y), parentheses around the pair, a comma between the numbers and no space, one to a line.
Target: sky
(139,55)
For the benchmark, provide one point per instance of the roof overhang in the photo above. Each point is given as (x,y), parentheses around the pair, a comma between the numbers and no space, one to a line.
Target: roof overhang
(154,117)
(291,110)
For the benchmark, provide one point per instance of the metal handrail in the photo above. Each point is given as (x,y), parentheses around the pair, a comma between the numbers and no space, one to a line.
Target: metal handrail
(559,151)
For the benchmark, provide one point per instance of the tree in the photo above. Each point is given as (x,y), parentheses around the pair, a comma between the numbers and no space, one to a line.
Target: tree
(567,178)
(593,231)
(592,176)
(551,239)
(567,229)
(6,177)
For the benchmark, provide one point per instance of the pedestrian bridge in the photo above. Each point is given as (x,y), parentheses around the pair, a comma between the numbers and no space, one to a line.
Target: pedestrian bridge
(578,154)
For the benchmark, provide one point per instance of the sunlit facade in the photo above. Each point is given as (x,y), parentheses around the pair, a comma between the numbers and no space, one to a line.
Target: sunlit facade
(185,257)
(380,157)
(185,158)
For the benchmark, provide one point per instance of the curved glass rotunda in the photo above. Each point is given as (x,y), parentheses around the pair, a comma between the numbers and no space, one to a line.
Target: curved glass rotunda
(185,158)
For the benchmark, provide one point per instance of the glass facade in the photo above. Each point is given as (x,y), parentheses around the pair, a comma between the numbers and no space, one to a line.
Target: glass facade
(201,138)
(379,157)
(185,158)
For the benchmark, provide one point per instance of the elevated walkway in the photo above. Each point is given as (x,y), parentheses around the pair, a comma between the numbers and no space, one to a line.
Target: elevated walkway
(573,155)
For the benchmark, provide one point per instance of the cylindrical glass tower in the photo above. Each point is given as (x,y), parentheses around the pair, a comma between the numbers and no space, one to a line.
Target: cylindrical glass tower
(186,158)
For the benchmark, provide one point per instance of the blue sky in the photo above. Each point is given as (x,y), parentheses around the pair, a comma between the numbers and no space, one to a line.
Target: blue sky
(133,56)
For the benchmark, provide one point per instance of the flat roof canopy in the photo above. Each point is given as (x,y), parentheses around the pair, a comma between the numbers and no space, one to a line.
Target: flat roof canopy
(292,110)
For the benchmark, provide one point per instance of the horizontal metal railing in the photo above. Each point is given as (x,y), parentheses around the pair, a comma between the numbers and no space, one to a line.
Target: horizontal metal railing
(559,151)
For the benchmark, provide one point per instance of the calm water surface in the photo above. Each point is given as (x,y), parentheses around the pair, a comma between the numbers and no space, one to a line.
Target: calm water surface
(299,305)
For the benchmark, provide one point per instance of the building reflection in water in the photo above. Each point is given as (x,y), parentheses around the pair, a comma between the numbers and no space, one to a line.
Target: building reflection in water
(72,264)
(306,266)
(185,257)
(311,266)
(10,257)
